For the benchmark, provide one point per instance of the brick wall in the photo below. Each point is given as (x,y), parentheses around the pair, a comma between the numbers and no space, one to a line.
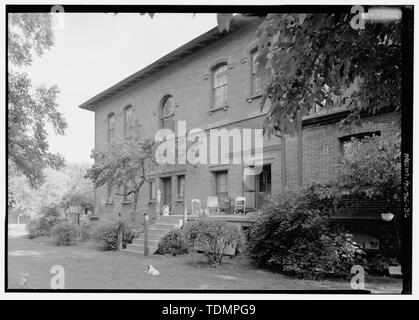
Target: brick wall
(189,82)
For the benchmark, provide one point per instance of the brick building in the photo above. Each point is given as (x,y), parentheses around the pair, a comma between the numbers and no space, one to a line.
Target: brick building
(210,83)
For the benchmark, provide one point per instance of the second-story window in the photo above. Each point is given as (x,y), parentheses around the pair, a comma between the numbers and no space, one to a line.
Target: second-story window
(168,113)
(127,197)
(152,190)
(128,121)
(259,81)
(219,85)
(109,194)
(111,127)
(181,187)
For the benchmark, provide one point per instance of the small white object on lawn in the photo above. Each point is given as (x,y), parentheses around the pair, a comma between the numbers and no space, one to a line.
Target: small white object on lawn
(151,270)
(24,280)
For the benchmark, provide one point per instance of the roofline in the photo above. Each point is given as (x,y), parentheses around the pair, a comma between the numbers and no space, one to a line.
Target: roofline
(187,49)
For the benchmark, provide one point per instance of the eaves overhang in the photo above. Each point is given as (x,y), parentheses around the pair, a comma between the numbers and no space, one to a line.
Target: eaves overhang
(180,53)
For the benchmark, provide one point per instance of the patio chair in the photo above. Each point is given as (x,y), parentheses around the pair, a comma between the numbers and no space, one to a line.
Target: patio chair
(212,205)
(224,203)
(196,207)
(240,205)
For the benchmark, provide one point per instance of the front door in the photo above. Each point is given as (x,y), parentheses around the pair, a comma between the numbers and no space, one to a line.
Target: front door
(249,187)
(167,191)
(263,186)
(221,190)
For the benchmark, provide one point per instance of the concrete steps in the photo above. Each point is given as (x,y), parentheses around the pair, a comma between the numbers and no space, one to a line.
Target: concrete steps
(157,231)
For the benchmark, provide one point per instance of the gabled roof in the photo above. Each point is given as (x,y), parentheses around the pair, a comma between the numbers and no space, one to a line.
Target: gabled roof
(187,49)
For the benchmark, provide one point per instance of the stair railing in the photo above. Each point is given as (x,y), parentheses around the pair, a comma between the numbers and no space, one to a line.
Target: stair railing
(159,208)
(156,216)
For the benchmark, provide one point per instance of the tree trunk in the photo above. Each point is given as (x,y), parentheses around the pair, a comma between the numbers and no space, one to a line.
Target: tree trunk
(146,234)
(134,205)
(120,237)
(135,201)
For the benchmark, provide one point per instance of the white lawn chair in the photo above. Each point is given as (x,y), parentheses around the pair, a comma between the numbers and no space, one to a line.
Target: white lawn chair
(212,204)
(240,205)
(196,207)
(166,210)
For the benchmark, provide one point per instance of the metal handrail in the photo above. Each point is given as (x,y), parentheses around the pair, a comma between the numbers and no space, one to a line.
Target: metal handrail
(155,215)
(169,204)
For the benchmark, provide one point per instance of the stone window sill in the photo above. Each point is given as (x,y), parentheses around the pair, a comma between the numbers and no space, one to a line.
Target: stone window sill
(254,96)
(127,203)
(326,115)
(109,203)
(151,202)
(224,108)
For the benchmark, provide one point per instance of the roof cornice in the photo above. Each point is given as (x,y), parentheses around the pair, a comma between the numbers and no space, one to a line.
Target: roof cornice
(169,59)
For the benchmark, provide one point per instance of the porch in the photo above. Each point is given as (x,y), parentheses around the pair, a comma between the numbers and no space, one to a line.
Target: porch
(241,219)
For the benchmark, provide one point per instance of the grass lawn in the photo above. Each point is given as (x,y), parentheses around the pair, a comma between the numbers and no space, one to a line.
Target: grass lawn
(88,268)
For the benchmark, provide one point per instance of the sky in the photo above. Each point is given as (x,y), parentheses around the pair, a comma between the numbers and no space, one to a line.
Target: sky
(93,51)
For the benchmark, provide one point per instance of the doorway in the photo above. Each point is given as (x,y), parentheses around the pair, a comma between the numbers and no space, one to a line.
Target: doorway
(167,191)
(221,190)
(257,188)
(263,186)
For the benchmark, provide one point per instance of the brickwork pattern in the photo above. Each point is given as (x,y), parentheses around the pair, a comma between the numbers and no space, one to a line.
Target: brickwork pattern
(189,82)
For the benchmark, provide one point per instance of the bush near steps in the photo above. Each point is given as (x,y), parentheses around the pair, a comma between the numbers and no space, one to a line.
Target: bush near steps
(106,233)
(211,236)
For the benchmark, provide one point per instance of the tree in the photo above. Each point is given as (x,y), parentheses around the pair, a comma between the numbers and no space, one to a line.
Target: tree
(77,198)
(126,165)
(371,168)
(325,59)
(80,191)
(22,199)
(30,109)
(66,186)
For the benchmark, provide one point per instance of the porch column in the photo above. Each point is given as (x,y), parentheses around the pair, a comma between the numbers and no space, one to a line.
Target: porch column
(300,157)
(283,163)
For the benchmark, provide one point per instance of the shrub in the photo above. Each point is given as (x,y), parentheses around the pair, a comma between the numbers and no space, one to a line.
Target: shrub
(173,243)
(42,225)
(296,236)
(371,168)
(34,228)
(378,264)
(213,238)
(51,216)
(129,232)
(86,230)
(107,234)
(65,233)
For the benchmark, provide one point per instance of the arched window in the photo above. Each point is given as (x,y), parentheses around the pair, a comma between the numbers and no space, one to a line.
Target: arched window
(128,121)
(111,127)
(219,85)
(168,113)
